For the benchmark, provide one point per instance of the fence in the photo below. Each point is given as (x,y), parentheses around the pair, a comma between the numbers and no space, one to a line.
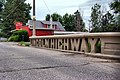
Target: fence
(105,43)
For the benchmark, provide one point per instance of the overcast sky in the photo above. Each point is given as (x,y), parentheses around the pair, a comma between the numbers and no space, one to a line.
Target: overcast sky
(67,6)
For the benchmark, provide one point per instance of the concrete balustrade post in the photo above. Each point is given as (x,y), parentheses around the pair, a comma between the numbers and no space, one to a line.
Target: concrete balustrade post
(31,42)
(34,41)
(102,47)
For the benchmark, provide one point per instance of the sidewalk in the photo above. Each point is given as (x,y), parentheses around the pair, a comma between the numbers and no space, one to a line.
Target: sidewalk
(96,55)
(104,56)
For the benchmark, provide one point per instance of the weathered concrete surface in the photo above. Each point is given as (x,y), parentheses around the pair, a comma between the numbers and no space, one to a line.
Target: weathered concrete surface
(26,63)
(107,43)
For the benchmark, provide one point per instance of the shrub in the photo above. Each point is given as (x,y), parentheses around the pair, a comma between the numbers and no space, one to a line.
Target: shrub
(98,47)
(2,34)
(14,38)
(22,43)
(21,35)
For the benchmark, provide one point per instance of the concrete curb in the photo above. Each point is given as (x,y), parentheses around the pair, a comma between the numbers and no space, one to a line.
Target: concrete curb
(95,55)
(103,56)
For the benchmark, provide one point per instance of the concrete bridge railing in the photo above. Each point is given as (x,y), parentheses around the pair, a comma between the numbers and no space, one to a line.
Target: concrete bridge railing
(105,43)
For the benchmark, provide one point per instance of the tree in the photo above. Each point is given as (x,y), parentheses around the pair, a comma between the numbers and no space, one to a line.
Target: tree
(107,22)
(20,35)
(116,7)
(1,4)
(68,22)
(47,18)
(55,17)
(0,12)
(79,24)
(15,11)
(95,18)
(1,8)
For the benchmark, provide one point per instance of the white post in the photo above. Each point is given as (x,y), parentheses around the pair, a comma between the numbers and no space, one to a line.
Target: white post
(50,21)
(34,19)
(34,26)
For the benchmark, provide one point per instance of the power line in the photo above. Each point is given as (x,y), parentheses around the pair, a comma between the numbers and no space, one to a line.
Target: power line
(49,12)
(46,6)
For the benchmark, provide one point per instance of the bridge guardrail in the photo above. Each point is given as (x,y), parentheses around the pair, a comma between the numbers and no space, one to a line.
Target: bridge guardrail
(105,43)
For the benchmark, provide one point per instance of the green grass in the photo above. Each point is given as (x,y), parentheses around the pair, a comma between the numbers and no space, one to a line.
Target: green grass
(22,43)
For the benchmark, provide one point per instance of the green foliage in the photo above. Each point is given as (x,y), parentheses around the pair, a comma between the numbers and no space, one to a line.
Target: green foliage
(107,22)
(21,35)
(55,17)
(47,18)
(95,18)
(68,22)
(115,6)
(2,34)
(1,6)
(98,47)
(88,46)
(104,22)
(117,28)
(15,11)
(22,43)
(14,38)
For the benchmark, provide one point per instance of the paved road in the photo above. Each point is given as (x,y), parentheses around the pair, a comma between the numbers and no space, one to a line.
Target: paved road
(27,63)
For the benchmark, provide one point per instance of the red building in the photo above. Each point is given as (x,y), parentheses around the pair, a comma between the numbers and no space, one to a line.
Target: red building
(43,28)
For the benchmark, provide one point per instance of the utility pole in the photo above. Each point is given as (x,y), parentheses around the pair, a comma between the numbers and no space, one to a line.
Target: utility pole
(34,19)
(50,21)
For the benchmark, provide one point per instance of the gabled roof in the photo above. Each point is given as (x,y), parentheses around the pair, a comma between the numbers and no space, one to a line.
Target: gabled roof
(40,24)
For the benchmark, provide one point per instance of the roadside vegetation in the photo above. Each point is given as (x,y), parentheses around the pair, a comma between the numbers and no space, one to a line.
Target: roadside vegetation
(22,43)
(18,36)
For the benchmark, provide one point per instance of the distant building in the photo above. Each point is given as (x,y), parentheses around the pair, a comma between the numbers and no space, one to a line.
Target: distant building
(42,27)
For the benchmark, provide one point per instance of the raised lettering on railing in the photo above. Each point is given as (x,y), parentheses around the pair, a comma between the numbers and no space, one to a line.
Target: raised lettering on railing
(47,43)
(83,45)
(75,44)
(52,43)
(66,44)
(92,42)
(89,42)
